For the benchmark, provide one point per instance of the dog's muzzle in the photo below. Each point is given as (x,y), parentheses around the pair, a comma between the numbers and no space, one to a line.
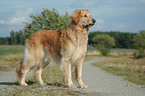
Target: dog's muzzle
(91,24)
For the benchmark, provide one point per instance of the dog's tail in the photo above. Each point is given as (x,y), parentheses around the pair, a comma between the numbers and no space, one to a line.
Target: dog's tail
(18,70)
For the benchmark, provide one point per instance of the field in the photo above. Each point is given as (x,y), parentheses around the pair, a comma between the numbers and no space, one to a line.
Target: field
(10,56)
(130,69)
(113,52)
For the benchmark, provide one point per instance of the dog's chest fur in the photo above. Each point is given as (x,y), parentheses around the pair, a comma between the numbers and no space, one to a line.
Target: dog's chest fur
(76,45)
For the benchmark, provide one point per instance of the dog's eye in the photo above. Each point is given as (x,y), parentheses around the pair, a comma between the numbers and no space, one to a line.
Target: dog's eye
(85,15)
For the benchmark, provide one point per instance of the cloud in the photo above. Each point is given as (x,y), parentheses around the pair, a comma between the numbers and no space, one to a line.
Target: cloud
(2,22)
(20,16)
(17,21)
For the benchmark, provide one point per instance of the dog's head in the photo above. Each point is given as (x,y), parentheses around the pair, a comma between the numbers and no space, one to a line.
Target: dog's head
(83,18)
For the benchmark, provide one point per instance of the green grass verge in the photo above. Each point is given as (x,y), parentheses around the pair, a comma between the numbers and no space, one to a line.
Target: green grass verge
(10,51)
(133,72)
(4,50)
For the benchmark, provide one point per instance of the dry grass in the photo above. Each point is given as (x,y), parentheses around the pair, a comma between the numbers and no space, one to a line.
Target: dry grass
(131,69)
(122,52)
(11,47)
(10,61)
(113,53)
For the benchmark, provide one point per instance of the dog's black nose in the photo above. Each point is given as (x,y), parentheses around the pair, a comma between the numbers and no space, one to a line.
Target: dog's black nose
(93,20)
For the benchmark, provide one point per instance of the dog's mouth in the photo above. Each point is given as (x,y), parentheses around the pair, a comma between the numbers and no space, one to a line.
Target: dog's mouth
(90,24)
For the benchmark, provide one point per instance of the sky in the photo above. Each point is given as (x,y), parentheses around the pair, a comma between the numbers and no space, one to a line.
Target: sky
(110,15)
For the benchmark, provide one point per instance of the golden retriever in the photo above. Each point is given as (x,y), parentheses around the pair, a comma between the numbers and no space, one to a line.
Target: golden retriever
(67,47)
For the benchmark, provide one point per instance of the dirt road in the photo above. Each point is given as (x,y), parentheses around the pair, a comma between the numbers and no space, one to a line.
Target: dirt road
(100,83)
(106,84)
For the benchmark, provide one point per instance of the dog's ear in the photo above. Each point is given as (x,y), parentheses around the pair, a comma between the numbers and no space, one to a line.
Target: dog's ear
(76,16)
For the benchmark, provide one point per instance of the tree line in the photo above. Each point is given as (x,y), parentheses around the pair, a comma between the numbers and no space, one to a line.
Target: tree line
(122,39)
(15,38)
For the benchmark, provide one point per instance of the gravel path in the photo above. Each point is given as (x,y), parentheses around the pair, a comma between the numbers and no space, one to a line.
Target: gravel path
(7,78)
(100,83)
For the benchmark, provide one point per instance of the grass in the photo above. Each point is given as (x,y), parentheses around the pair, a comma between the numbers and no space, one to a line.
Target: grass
(5,50)
(10,56)
(113,52)
(130,69)
(10,61)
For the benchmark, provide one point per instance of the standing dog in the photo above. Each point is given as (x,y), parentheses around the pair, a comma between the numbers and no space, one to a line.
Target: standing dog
(67,47)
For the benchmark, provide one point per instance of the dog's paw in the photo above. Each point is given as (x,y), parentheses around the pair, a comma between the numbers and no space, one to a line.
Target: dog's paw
(83,86)
(24,84)
(72,86)
(43,84)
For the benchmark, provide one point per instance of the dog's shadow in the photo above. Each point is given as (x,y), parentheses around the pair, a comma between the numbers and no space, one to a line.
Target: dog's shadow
(9,83)
(31,83)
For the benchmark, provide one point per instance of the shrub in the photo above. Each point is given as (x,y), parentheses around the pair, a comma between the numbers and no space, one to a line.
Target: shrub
(104,51)
(103,43)
(139,44)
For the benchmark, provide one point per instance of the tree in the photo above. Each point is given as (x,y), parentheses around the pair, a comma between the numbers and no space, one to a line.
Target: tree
(47,20)
(139,43)
(12,37)
(21,37)
(103,43)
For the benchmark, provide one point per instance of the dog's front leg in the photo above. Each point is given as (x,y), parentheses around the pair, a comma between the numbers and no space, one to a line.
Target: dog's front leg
(78,72)
(66,69)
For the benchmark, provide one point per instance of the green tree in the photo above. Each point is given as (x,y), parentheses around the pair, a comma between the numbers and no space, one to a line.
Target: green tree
(46,20)
(139,43)
(103,43)
(12,35)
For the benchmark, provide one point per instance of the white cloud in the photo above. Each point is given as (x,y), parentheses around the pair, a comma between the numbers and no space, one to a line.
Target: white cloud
(17,21)
(2,22)
(20,16)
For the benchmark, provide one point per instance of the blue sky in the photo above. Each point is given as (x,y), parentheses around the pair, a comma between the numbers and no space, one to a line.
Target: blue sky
(111,15)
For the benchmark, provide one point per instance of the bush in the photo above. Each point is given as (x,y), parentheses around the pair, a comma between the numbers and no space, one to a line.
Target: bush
(139,44)
(104,51)
(103,43)
(139,54)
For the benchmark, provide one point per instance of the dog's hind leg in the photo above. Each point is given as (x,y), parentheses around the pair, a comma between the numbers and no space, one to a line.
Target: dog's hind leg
(22,76)
(38,71)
